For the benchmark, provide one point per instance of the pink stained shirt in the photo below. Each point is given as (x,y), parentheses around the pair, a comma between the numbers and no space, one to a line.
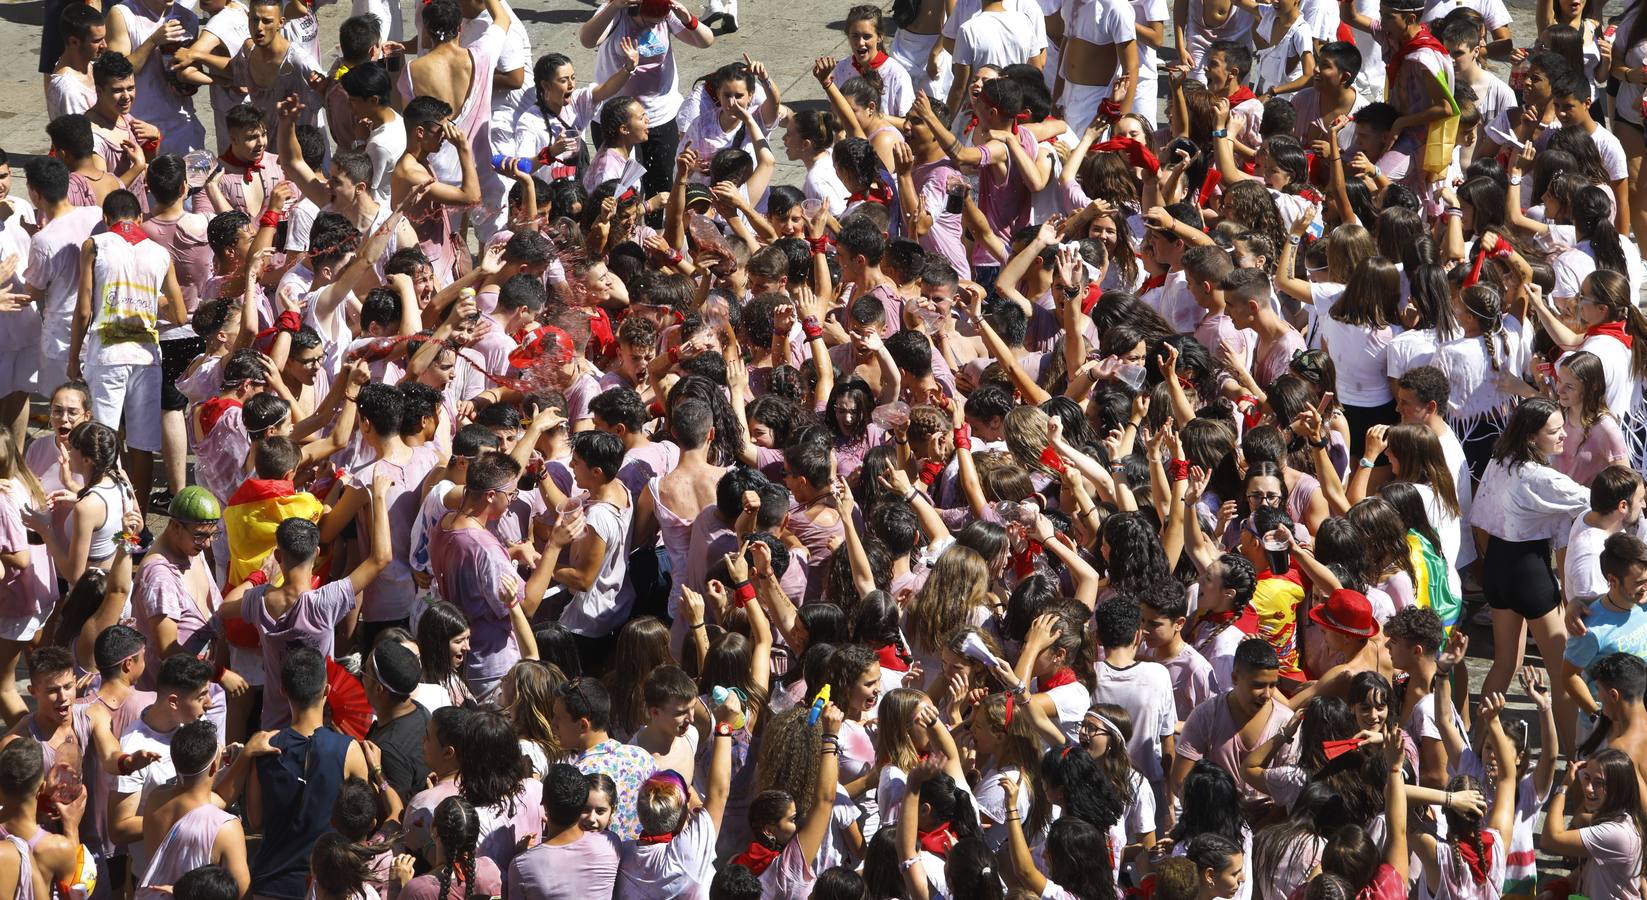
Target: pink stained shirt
(1211,733)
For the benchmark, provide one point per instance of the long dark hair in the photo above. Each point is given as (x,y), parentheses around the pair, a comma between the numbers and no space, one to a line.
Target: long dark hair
(1371,296)
(1078,855)
(491,768)
(1409,504)
(1315,813)
(100,446)
(1611,288)
(440,623)
(1212,804)
(1515,445)
(1592,214)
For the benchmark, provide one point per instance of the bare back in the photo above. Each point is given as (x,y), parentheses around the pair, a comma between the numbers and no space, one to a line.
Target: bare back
(689,488)
(446,73)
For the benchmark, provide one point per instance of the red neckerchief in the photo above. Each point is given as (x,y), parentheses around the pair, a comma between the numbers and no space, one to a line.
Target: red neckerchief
(213,409)
(891,658)
(600,331)
(1019,119)
(1423,40)
(1137,154)
(1023,562)
(131,231)
(756,858)
(1220,617)
(1151,283)
(656,838)
(971,124)
(880,58)
(229,159)
(930,472)
(1477,864)
(937,841)
(1057,679)
(877,193)
(1614,330)
(1241,95)
(1094,291)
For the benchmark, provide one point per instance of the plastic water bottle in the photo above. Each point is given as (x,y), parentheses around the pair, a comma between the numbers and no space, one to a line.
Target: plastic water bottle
(500,161)
(719,695)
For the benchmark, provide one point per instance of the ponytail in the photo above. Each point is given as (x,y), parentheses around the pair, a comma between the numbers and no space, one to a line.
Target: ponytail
(1611,288)
(1592,214)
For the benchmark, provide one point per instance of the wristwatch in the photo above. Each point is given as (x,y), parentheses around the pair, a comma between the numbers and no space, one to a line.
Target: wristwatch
(723,729)
(1366,463)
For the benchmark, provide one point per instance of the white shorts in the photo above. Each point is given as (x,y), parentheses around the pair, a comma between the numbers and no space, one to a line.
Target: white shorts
(129,395)
(18,370)
(54,373)
(1080,102)
(1146,101)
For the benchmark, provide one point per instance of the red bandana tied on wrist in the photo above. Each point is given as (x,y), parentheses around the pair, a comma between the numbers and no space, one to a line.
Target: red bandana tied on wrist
(1614,330)
(876,63)
(229,159)
(1057,679)
(891,658)
(756,858)
(131,231)
(937,841)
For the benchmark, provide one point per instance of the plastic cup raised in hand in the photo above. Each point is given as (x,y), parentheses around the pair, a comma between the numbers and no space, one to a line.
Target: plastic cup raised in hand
(572,505)
(1132,375)
(891,416)
(810,207)
(1275,552)
(197,166)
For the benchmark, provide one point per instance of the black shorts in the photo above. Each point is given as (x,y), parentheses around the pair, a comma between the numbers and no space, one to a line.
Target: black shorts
(175,357)
(1517,576)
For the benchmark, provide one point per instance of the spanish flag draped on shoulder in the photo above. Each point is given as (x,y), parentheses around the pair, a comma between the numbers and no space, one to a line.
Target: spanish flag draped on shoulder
(252,515)
(1440,136)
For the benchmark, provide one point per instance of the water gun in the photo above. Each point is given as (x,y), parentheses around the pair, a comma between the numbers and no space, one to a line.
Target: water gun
(818,704)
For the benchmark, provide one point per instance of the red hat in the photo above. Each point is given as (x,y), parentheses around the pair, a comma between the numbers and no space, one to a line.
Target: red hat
(1346,612)
(655,9)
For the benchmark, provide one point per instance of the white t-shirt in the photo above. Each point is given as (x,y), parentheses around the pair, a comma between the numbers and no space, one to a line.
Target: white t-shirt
(597,612)
(1409,350)
(965,10)
(655,82)
(1283,60)
(513,55)
(897,91)
(1496,14)
(1323,18)
(54,267)
(681,867)
(384,147)
(1361,358)
(822,183)
(391,22)
(1144,690)
(1613,160)
(161,772)
(998,39)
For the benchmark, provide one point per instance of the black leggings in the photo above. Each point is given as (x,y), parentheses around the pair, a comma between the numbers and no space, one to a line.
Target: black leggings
(1517,576)
(658,156)
(1478,445)
(1361,418)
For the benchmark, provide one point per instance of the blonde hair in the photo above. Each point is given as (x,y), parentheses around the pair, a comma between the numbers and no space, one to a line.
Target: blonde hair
(957,584)
(1025,431)
(895,741)
(12,466)
(1017,748)
(1347,246)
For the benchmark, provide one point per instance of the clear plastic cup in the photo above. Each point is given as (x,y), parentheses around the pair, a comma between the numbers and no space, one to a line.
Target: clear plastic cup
(891,416)
(197,166)
(810,207)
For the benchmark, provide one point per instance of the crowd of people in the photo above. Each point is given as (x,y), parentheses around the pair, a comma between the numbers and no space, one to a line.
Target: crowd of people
(1083,484)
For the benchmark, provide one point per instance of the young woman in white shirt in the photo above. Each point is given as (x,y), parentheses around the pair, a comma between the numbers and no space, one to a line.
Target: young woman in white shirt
(1474,364)
(1357,336)
(808,139)
(1522,505)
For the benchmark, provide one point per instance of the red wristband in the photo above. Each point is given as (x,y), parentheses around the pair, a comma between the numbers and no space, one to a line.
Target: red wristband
(810,326)
(674,257)
(692,24)
(270,219)
(963,437)
(1178,469)
(257,578)
(674,354)
(289,321)
(742,593)
(819,244)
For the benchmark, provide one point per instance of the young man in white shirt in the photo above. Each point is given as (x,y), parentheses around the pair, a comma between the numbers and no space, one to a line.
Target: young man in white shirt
(1616,497)
(1570,91)
(1492,95)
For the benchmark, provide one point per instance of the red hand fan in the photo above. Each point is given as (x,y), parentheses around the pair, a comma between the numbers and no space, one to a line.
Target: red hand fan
(346,702)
